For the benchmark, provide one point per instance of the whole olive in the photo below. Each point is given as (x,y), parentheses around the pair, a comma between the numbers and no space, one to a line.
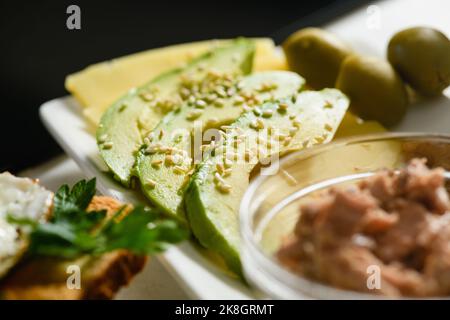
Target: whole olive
(315,54)
(375,89)
(422,57)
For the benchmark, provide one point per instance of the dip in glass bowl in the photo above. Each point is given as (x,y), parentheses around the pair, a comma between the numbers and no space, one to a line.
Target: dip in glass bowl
(270,208)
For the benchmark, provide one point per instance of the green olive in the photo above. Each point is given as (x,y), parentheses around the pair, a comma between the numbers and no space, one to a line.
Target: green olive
(316,55)
(422,57)
(375,89)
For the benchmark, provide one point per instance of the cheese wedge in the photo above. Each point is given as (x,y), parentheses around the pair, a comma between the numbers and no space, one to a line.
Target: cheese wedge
(351,125)
(99,85)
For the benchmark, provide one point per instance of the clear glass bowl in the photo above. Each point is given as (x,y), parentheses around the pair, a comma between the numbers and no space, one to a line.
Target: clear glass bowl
(270,207)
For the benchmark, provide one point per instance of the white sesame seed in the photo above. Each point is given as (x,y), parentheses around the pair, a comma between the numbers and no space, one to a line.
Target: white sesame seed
(257,111)
(122,107)
(227,162)
(150,183)
(194,114)
(107,145)
(227,172)
(282,107)
(219,103)
(220,168)
(260,123)
(223,187)
(200,104)
(218,178)
(267,113)
(293,131)
(328,105)
(178,170)
(103,138)
(157,163)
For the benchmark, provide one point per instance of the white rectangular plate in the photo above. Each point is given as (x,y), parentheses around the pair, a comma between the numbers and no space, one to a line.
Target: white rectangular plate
(196,274)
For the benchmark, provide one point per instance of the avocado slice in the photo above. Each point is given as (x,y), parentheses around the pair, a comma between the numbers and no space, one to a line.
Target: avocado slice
(214,193)
(165,165)
(125,123)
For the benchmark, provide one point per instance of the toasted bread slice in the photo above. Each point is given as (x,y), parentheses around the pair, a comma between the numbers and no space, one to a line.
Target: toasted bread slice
(50,278)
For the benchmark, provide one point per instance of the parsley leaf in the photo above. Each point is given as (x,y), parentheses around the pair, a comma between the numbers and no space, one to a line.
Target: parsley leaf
(72,231)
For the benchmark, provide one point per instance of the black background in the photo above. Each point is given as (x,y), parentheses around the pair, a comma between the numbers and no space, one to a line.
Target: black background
(38,51)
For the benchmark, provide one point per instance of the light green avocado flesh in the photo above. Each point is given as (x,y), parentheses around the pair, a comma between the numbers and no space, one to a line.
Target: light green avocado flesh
(164,167)
(213,196)
(125,123)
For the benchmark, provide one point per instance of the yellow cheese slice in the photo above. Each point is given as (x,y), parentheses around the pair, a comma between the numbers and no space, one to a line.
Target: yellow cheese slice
(99,85)
(351,125)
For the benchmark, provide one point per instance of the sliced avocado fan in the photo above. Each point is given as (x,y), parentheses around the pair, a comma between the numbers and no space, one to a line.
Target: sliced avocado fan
(214,194)
(165,164)
(125,123)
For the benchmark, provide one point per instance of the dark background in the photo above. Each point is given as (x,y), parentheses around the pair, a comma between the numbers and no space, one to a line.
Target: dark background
(38,51)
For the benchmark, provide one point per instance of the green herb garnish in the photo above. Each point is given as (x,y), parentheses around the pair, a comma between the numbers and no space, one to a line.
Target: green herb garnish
(72,231)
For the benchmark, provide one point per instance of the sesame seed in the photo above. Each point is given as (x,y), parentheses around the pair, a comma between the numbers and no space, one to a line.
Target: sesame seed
(227,162)
(282,107)
(218,178)
(257,111)
(260,123)
(212,122)
(247,155)
(319,139)
(200,104)
(150,183)
(103,138)
(305,144)
(185,93)
(211,97)
(220,168)
(178,170)
(227,172)
(221,92)
(281,136)
(194,114)
(231,92)
(328,105)
(122,107)
(157,163)
(151,149)
(296,123)
(223,187)
(287,140)
(148,97)
(328,127)
(219,103)
(169,160)
(293,131)
(191,99)
(107,145)
(267,113)
(161,134)
(239,100)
